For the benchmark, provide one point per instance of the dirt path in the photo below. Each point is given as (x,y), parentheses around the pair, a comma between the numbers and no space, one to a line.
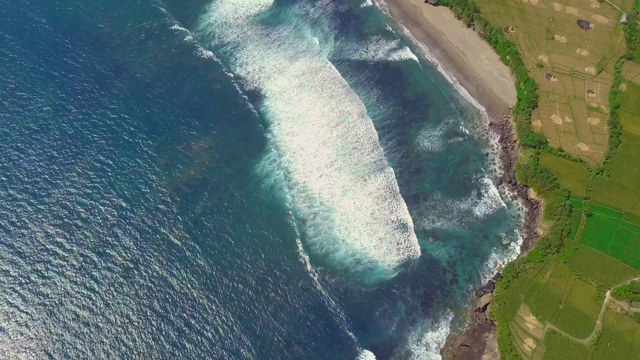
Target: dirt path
(615,6)
(607,299)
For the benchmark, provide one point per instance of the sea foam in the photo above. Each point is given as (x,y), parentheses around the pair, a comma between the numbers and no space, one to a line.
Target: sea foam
(322,140)
(492,199)
(376,49)
(426,339)
(366,355)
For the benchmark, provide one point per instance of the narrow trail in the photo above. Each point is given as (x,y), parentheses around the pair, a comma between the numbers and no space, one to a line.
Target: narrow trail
(615,6)
(607,299)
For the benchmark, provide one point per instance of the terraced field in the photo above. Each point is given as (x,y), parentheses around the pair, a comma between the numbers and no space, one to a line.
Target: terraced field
(614,233)
(561,312)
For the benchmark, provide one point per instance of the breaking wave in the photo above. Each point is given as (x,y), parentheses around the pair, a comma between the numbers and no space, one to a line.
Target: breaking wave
(324,148)
(366,355)
(426,340)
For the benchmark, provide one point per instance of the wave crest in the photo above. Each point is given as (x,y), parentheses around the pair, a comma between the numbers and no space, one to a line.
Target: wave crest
(327,150)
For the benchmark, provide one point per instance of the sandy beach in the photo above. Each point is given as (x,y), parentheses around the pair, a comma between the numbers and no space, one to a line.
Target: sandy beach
(460,50)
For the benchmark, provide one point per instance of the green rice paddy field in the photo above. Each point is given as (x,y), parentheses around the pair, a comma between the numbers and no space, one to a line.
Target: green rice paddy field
(555,308)
(558,308)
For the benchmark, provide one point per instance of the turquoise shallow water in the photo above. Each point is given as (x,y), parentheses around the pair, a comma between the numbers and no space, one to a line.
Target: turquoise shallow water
(236,179)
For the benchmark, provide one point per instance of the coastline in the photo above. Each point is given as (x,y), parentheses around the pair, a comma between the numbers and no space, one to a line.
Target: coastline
(477,69)
(460,51)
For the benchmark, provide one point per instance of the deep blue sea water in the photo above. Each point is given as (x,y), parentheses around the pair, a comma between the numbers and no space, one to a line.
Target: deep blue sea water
(234,179)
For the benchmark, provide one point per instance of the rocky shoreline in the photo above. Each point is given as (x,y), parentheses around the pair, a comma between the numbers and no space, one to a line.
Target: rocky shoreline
(477,341)
(503,126)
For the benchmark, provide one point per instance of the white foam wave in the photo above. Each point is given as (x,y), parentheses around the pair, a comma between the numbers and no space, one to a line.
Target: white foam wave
(366,3)
(179,28)
(432,138)
(499,258)
(491,199)
(443,213)
(426,340)
(205,53)
(366,355)
(336,172)
(375,49)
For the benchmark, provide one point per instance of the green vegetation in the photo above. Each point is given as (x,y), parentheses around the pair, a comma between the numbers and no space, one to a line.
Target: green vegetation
(561,348)
(548,302)
(629,292)
(619,186)
(571,175)
(614,233)
(599,267)
(580,310)
(620,337)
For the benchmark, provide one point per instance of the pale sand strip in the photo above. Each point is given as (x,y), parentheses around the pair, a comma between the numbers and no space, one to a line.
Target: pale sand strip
(461,52)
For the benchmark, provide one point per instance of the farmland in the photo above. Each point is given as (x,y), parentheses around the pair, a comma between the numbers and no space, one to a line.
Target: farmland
(555,309)
(614,233)
(574,68)
(572,175)
(555,303)
(621,189)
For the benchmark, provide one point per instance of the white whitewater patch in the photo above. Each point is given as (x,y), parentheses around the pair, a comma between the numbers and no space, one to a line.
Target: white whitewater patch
(376,49)
(366,3)
(323,140)
(426,340)
(179,28)
(366,355)
(432,139)
(205,53)
(453,214)
(499,259)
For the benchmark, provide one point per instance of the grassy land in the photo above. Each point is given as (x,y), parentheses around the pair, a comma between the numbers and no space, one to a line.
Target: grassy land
(551,304)
(629,293)
(602,269)
(614,233)
(574,68)
(571,175)
(620,338)
(621,188)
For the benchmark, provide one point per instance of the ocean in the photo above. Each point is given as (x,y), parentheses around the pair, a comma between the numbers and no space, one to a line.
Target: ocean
(236,179)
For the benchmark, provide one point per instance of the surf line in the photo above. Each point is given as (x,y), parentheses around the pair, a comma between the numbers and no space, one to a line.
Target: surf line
(339,181)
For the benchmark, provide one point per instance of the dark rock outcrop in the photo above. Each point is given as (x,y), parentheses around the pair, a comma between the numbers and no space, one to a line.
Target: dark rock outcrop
(509,155)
